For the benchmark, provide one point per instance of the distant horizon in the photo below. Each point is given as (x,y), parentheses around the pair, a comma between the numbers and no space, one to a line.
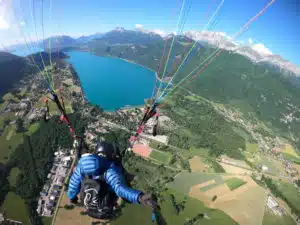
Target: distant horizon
(141,29)
(273,32)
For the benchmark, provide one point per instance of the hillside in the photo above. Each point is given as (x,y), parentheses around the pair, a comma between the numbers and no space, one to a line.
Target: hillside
(14,68)
(258,91)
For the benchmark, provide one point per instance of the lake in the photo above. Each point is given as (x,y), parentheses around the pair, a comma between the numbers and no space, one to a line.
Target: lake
(112,83)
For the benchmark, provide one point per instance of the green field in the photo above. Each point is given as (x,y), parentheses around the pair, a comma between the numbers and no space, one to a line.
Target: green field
(33,128)
(47,220)
(204,152)
(252,148)
(13,176)
(291,193)
(136,215)
(16,208)
(7,146)
(234,183)
(291,158)
(163,157)
(274,167)
(185,180)
(271,219)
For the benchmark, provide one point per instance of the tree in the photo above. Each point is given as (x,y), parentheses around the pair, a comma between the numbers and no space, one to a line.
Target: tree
(20,125)
(214,198)
(6,122)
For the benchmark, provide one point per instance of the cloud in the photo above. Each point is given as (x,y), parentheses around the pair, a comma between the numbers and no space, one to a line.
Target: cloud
(159,32)
(260,48)
(139,26)
(3,24)
(22,23)
(250,41)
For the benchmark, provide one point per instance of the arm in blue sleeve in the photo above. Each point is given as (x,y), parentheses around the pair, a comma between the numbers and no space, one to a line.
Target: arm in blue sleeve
(115,179)
(75,183)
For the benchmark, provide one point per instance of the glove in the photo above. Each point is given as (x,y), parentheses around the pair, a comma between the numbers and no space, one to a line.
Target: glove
(74,201)
(147,200)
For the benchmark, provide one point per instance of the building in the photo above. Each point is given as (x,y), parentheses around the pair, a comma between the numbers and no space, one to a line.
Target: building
(274,206)
(264,168)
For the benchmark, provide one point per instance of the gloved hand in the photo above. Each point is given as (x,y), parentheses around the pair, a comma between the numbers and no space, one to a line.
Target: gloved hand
(74,201)
(147,200)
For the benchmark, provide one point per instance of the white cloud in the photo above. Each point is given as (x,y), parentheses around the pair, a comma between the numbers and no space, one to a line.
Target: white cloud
(260,48)
(138,26)
(250,41)
(3,24)
(22,23)
(159,32)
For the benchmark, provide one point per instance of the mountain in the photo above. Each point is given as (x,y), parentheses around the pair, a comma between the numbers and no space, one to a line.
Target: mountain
(60,42)
(221,40)
(85,39)
(122,36)
(12,70)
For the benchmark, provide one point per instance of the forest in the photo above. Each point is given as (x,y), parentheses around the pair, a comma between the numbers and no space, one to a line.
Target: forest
(200,126)
(34,159)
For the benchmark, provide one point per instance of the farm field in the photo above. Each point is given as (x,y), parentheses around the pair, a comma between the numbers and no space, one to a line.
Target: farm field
(13,176)
(291,193)
(161,156)
(292,158)
(234,170)
(234,183)
(136,214)
(271,219)
(288,149)
(8,142)
(197,165)
(11,201)
(244,204)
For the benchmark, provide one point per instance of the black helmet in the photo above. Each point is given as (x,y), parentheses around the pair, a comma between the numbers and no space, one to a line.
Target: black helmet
(107,150)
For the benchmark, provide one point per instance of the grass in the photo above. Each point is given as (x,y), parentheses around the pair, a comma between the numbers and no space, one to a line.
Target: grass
(163,157)
(192,98)
(271,219)
(234,183)
(291,158)
(252,148)
(47,220)
(184,180)
(15,208)
(13,176)
(33,128)
(208,187)
(136,215)
(288,149)
(291,193)
(192,208)
(8,146)
(196,152)
(274,167)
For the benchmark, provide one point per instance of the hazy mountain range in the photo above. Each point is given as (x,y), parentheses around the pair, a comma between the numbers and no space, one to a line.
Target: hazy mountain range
(144,36)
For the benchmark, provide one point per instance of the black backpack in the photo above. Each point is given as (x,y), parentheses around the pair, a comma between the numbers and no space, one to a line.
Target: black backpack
(97,199)
(95,195)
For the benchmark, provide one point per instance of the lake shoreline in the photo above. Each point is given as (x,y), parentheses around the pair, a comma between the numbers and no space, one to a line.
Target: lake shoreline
(105,108)
(130,61)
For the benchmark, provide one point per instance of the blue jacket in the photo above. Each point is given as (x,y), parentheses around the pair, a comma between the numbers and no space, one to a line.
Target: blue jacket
(93,165)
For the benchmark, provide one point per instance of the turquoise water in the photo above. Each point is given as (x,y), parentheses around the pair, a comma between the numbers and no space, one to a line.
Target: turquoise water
(112,83)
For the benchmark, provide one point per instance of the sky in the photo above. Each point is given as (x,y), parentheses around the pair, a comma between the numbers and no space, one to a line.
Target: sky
(274,32)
